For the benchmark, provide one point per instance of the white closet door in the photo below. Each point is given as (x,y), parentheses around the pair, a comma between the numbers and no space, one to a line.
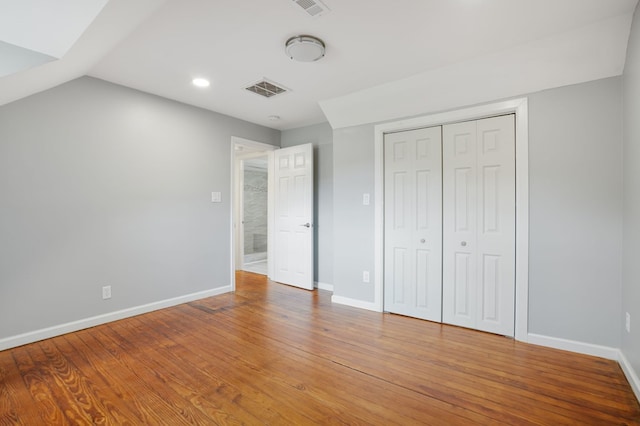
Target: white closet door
(459,224)
(479,224)
(413,223)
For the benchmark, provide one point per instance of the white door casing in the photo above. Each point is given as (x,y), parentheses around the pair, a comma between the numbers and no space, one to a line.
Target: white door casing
(293,216)
(240,224)
(413,223)
(242,149)
(479,224)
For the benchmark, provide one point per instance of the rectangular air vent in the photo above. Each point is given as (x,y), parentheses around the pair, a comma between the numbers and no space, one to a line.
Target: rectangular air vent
(313,8)
(266,88)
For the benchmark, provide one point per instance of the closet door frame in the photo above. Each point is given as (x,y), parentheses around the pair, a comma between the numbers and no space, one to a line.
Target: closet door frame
(519,107)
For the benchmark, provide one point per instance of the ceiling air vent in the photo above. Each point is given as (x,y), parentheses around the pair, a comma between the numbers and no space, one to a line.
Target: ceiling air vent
(313,8)
(266,88)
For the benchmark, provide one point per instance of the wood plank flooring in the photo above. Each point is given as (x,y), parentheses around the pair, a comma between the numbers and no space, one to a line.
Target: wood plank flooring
(273,354)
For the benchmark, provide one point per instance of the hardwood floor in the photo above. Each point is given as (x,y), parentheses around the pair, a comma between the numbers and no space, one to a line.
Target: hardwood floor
(272,354)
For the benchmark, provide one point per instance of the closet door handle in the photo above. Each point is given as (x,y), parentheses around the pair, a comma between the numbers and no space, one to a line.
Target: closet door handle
(306,225)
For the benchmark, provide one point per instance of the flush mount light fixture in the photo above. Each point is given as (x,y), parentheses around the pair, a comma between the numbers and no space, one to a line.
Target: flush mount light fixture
(273,117)
(200,82)
(304,48)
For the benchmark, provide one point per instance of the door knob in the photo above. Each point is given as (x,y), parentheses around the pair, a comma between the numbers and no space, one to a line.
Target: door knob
(422,240)
(306,225)
(463,244)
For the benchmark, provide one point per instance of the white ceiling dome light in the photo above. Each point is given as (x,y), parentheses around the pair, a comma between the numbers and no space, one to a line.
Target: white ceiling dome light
(304,48)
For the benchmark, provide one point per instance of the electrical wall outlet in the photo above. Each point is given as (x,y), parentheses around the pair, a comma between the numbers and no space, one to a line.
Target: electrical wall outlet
(365,276)
(627,324)
(106,292)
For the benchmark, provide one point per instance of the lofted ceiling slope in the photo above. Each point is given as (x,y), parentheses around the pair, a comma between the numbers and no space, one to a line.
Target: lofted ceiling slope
(76,57)
(384,59)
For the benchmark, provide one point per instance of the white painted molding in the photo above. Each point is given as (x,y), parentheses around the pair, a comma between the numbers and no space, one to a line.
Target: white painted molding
(370,306)
(518,106)
(323,286)
(521,108)
(574,346)
(57,330)
(254,145)
(632,375)
(378,218)
(607,352)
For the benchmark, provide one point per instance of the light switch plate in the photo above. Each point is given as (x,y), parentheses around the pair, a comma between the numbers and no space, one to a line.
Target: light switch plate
(216,197)
(366,199)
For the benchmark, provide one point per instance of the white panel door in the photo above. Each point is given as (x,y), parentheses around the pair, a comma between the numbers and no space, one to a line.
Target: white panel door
(459,224)
(293,216)
(413,223)
(479,224)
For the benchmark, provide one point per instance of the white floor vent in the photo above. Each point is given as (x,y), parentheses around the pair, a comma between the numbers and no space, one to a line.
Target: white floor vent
(313,8)
(266,88)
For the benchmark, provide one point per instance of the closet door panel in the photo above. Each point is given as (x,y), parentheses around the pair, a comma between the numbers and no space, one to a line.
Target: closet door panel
(459,200)
(496,218)
(413,223)
(479,224)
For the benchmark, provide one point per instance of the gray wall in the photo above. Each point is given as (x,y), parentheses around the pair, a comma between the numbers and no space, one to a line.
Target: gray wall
(631,261)
(321,136)
(575,223)
(575,203)
(353,223)
(103,185)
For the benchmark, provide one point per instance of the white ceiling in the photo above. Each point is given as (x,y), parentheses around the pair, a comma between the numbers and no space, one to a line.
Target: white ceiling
(114,23)
(60,23)
(588,53)
(379,54)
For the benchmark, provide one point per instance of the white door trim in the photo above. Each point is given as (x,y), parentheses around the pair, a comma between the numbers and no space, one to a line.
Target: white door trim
(520,108)
(253,146)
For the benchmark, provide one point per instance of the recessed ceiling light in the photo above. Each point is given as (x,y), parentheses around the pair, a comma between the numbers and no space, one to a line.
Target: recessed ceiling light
(201,82)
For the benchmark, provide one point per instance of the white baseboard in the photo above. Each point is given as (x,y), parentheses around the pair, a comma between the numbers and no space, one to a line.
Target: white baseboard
(574,346)
(607,352)
(355,303)
(323,286)
(57,330)
(632,375)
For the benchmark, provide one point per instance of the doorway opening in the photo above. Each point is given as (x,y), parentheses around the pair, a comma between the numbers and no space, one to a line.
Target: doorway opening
(289,239)
(253,223)
(251,188)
